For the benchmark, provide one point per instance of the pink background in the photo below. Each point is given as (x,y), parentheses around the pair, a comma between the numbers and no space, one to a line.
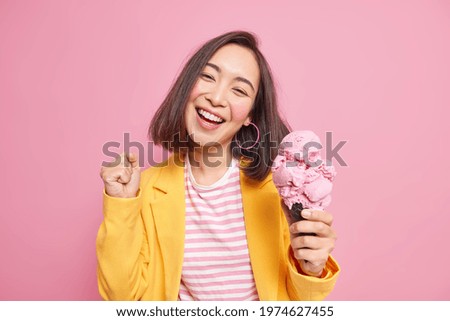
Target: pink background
(76,74)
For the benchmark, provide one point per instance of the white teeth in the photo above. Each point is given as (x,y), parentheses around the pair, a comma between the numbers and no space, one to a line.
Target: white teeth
(209,116)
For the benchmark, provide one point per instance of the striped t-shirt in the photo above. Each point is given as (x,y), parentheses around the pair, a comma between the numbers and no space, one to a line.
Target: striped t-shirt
(216,262)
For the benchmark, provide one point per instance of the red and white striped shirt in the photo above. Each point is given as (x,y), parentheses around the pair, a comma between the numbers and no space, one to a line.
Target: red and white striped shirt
(216,260)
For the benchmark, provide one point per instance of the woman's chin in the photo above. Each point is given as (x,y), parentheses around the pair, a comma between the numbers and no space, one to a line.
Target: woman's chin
(203,141)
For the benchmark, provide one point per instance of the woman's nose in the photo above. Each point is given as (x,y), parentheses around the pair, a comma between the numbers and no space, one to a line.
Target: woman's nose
(217,96)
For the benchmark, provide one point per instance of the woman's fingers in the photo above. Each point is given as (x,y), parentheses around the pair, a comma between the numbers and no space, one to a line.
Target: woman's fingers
(319,228)
(311,268)
(122,177)
(315,257)
(125,175)
(312,251)
(313,243)
(318,216)
(130,159)
(317,222)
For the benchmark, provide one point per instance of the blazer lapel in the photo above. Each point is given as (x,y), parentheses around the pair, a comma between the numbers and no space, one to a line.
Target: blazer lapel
(262,224)
(169,213)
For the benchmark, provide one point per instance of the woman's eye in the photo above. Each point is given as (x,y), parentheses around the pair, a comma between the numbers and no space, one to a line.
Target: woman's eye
(207,76)
(240,91)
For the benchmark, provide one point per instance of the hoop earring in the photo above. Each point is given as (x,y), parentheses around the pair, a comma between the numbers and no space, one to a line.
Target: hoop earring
(254,144)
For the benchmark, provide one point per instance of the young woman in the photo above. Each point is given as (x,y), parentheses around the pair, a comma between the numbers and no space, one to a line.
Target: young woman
(208,224)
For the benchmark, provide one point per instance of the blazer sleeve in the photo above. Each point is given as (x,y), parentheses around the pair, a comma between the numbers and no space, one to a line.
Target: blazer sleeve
(122,249)
(304,287)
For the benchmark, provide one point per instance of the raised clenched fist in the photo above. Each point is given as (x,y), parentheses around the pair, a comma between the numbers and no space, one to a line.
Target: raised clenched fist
(122,177)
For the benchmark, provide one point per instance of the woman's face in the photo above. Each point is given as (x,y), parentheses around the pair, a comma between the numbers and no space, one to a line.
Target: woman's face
(221,100)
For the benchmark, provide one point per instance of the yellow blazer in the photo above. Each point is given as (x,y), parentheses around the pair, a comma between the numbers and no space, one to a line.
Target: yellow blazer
(140,243)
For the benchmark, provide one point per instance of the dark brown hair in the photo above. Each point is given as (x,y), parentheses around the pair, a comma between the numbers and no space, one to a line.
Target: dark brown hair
(168,127)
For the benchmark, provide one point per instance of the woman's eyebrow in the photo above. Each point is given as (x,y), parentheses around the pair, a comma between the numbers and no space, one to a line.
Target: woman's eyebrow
(217,68)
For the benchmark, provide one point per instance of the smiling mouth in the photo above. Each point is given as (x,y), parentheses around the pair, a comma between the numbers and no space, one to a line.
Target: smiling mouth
(209,117)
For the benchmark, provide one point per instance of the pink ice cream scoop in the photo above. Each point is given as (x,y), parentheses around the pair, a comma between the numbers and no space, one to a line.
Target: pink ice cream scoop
(300,175)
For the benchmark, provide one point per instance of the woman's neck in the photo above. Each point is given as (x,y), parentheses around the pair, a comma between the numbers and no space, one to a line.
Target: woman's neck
(209,164)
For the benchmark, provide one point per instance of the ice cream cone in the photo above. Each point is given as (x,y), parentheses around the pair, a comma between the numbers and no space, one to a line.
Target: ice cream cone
(300,175)
(296,215)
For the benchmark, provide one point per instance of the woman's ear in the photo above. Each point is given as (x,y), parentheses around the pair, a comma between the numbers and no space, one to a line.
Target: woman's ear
(247,121)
